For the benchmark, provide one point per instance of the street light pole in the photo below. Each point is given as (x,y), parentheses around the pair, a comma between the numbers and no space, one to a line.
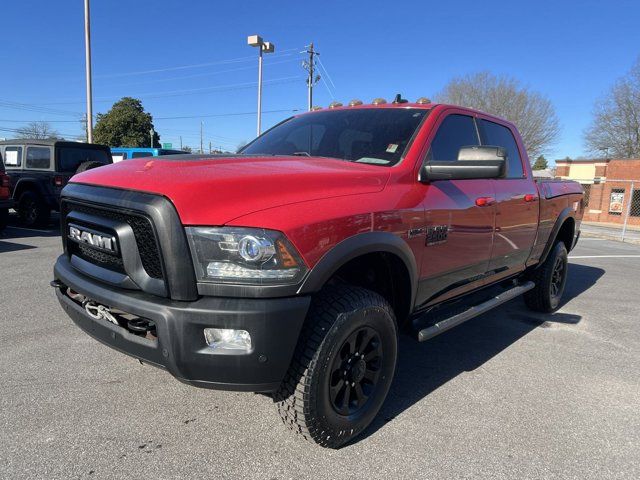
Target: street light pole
(87,44)
(259,129)
(266,47)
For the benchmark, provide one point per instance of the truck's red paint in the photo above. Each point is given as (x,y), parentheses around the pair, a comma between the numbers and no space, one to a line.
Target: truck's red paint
(496,227)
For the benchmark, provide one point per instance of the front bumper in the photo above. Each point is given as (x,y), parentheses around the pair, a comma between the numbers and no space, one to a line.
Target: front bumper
(274,325)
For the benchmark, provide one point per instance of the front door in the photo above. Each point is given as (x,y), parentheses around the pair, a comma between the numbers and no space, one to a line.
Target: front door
(460,216)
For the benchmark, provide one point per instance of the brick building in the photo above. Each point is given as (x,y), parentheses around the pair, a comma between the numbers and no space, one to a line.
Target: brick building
(612,188)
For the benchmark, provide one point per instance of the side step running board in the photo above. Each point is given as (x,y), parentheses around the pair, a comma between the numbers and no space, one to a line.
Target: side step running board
(471,312)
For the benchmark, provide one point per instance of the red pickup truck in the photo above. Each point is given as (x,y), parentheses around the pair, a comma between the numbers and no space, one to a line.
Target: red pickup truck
(290,267)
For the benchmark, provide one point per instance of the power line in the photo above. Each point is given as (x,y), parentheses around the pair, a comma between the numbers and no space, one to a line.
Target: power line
(36,108)
(184,67)
(177,93)
(228,114)
(198,75)
(326,74)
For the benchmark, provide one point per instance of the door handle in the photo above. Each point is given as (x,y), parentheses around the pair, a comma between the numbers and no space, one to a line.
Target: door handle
(529,197)
(485,201)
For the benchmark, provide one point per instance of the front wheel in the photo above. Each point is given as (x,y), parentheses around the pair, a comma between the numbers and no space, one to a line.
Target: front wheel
(550,279)
(342,368)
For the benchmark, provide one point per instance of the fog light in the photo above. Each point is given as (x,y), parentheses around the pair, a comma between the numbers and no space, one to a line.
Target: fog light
(228,339)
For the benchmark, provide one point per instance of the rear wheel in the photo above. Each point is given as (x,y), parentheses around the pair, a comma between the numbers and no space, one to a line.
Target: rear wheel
(550,279)
(342,368)
(32,210)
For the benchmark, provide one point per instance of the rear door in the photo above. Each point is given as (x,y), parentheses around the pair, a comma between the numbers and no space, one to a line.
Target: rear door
(459,232)
(517,203)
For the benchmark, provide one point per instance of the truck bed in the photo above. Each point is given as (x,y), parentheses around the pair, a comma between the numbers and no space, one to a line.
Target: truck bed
(555,197)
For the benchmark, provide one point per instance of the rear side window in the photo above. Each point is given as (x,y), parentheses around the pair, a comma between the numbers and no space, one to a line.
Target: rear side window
(13,157)
(141,154)
(70,158)
(500,136)
(455,132)
(38,158)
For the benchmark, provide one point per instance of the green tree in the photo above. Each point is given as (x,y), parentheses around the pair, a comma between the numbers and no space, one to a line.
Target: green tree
(125,125)
(540,163)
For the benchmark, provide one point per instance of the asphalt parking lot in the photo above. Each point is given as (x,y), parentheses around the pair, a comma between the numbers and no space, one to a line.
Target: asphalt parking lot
(509,394)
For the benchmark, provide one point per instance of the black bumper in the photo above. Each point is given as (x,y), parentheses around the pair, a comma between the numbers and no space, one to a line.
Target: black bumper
(274,326)
(8,203)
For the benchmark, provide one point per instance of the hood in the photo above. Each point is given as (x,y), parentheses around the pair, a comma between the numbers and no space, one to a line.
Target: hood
(215,190)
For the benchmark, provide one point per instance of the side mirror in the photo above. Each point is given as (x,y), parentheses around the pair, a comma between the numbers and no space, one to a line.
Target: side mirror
(473,162)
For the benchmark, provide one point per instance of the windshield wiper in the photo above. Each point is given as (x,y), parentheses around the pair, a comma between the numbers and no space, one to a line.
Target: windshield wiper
(301,154)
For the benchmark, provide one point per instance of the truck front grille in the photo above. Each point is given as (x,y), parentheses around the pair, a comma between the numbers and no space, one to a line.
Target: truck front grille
(142,230)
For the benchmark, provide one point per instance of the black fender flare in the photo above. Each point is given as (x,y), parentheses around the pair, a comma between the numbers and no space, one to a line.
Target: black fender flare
(28,183)
(565,214)
(356,246)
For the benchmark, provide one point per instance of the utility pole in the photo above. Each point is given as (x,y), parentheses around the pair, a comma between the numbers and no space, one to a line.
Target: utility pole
(151,132)
(87,51)
(209,148)
(201,127)
(180,142)
(309,66)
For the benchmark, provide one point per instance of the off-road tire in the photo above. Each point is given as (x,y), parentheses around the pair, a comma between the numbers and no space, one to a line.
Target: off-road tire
(550,279)
(83,167)
(341,319)
(32,210)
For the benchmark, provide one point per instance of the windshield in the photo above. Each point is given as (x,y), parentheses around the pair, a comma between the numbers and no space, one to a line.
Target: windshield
(368,135)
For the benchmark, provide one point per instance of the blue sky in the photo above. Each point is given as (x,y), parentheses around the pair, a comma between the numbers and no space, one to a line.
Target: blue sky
(190,58)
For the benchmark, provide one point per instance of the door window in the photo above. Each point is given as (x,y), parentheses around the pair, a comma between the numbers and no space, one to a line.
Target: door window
(500,136)
(455,132)
(38,158)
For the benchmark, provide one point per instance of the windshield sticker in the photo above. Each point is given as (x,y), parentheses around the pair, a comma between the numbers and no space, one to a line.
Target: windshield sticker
(392,148)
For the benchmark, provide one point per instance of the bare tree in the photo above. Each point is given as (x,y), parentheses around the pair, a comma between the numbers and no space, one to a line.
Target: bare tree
(615,129)
(506,97)
(38,130)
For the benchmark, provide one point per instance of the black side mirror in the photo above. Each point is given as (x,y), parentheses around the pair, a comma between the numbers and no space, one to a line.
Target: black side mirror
(473,162)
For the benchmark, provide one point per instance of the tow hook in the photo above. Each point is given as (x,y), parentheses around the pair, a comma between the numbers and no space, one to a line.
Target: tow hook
(99,312)
(56,284)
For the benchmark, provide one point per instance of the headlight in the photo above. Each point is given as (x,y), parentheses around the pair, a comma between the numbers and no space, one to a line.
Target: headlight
(251,256)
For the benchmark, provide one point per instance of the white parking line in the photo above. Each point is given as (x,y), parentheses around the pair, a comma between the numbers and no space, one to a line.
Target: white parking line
(604,256)
(28,229)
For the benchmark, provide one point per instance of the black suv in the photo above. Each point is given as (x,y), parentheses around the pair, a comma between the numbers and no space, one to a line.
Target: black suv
(39,169)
